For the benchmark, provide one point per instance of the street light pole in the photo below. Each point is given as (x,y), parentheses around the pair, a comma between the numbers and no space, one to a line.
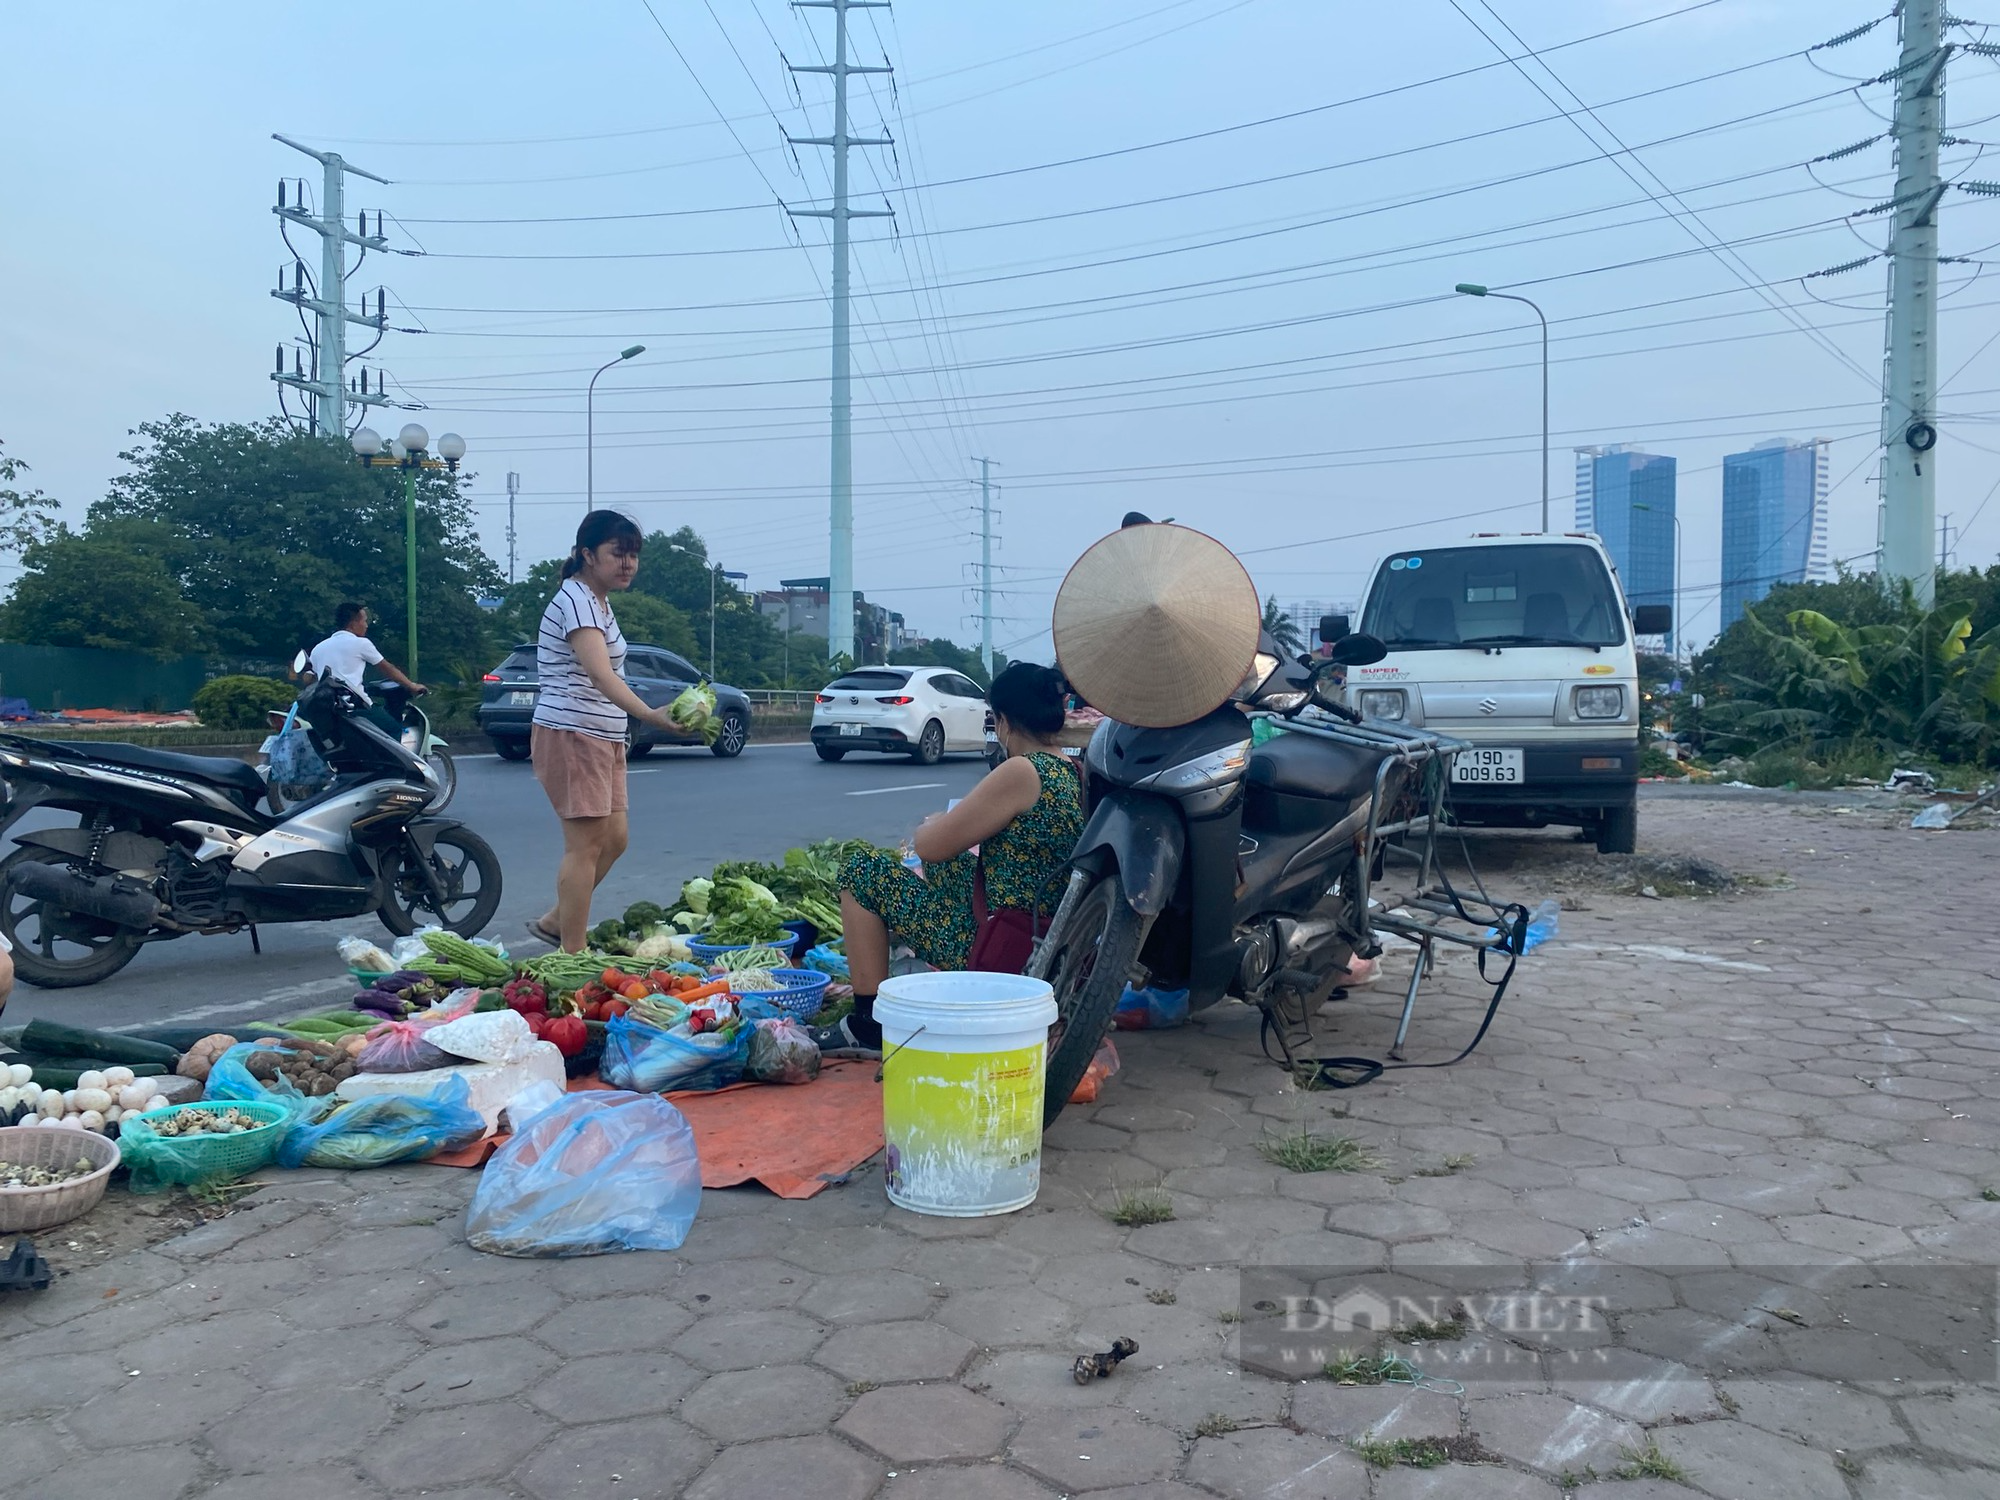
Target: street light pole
(1678,623)
(407,452)
(590,425)
(1473,289)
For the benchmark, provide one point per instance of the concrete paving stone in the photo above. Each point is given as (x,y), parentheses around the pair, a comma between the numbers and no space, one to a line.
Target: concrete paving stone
(1106,1278)
(1074,1133)
(996,1317)
(822,1468)
(740,1406)
(1056,1234)
(164,1473)
(60,1381)
(1094,1450)
(223,1341)
(317,1483)
(1608,1129)
(1462,1482)
(1483,1363)
(1524,1235)
(347,1301)
(928,1423)
(933,1227)
(1674,1159)
(1333,1189)
(1633,1184)
(611,1387)
(981,1481)
(482,1312)
(745,1286)
(1185,1393)
(1186,1243)
(377,1252)
(297,1235)
(31,1449)
(1835,1417)
(889,1353)
(1636,1386)
(1165,1334)
(434,1450)
(646,1456)
(1923,1479)
(1842,1236)
(155,1408)
(872,1297)
(985,1263)
(747,1340)
(1520,1173)
(1561,1150)
(1550,1433)
(462,1374)
(255,1217)
(1925,1183)
(1321,1408)
(1858,1355)
(1417,1256)
(1760,1196)
(357,1354)
(1736,1462)
(1643,1245)
(286,1432)
(1907,1210)
(1715,1222)
(1265,1463)
(606,1325)
(1181,1149)
(1461,1193)
(855,1247)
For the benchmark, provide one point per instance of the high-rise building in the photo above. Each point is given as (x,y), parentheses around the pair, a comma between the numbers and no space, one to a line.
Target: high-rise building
(1773,521)
(1627,498)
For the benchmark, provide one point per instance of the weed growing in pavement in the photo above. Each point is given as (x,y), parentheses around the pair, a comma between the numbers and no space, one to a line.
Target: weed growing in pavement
(1215,1424)
(1349,1368)
(1990,1195)
(1159,1296)
(1436,1331)
(860,1387)
(1417,1453)
(1448,1166)
(1848,1465)
(1727,1402)
(1309,1151)
(1229,1315)
(1136,1206)
(1571,1479)
(1648,1463)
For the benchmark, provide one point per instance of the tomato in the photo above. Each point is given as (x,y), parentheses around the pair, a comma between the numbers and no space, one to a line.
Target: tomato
(614,1008)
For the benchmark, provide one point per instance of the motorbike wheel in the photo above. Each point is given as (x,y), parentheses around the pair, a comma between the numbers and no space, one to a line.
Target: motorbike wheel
(447,775)
(466,867)
(55,949)
(1088,959)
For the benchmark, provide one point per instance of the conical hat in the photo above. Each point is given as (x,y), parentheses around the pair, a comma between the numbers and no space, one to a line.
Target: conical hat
(1156,625)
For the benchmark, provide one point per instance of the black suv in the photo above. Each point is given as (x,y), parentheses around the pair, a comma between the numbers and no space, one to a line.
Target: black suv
(507,702)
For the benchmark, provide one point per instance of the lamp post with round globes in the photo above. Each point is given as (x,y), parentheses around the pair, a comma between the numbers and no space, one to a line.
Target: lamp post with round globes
(590,425)
(408,451)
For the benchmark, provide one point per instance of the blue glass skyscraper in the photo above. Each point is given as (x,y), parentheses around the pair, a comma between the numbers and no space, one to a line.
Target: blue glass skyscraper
(1627,498)
(1773,521)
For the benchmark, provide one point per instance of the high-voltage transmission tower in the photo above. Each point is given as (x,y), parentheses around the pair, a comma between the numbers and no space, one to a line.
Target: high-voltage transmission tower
(840,563)
(1909,377)
(325,383)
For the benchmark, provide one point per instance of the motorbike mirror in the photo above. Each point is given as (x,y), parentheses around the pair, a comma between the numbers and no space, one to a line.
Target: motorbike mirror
(1333,628)
(299,663)
(1357,650)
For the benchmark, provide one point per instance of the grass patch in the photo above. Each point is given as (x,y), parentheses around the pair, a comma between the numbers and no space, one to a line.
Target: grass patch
(1309,1151)
(860,1387)
(1571,1479)
(1989,1195)
(1848,1465)
(1229,1315)
(1449,1166)
(214,1199)
(1136,1206)
(1436,1331)
(1215,1424)
(1648,1463)
(1415,1453)
(1366,1367)
(1159,1296)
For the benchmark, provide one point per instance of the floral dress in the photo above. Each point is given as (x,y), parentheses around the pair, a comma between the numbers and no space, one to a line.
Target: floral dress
(1027,863)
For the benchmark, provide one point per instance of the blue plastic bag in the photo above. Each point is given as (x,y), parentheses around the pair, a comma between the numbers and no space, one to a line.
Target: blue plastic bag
(828,960)
(1150,1009)
(651,1061)
(387,1128)
(230,1078)
(294,761)
(593,1173)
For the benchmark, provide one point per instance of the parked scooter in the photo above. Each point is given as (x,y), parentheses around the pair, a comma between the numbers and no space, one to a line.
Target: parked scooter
(166,845)
(293,773)
(1225,867)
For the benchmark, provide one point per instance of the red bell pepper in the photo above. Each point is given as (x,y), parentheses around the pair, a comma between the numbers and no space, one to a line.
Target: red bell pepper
(568,1033)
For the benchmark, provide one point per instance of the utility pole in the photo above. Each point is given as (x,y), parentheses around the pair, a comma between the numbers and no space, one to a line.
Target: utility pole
(986,565)
(1909,478)
(840,570)
(513,489)
(327,385)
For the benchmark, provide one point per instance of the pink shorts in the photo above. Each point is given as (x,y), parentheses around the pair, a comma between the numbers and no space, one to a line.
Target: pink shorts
(583,775)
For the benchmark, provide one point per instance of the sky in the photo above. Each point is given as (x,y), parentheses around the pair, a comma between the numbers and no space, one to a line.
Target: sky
(1189,257)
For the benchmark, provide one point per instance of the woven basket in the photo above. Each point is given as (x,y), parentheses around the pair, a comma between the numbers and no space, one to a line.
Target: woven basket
(802,994)
(708,953)
(28,1208)
(207,1157)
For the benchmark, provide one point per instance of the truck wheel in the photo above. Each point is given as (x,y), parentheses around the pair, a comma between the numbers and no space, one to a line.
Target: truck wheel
(1619,832)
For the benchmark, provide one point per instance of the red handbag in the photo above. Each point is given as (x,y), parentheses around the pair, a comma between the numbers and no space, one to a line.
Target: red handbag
(1004,940)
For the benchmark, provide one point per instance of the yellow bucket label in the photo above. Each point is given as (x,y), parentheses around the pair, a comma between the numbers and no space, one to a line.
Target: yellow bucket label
(964,1129)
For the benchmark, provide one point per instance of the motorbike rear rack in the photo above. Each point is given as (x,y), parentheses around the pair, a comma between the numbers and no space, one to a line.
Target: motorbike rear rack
(1434,912)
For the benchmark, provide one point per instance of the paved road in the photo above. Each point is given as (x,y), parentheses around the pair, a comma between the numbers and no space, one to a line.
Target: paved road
(689,810)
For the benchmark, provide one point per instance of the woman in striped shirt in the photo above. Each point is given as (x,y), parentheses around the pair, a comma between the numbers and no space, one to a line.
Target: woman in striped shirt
(578,738)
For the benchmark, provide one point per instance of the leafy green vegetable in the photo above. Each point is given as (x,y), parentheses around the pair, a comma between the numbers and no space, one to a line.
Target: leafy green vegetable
(694,711)
(641,916)
(695,895)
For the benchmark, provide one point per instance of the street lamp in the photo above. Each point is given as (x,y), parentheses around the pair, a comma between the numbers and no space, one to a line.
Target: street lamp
(406,451)
(590,425)
(1675,633)
(715,571)
(1473,289)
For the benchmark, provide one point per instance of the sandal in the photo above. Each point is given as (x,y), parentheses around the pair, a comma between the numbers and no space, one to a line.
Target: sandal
(541,934)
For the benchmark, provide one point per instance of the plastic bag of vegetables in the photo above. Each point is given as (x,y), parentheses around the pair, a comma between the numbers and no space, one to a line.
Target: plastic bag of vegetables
(782,1051)
(694,711)
(231,1078)
(652,1061)
(384,1129)
(593,1173)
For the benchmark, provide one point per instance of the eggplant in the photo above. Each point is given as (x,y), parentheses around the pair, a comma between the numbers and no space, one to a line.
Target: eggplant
(403,979)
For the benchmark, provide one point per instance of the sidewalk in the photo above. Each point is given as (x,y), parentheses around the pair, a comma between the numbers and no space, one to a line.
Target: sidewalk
(1705,1099)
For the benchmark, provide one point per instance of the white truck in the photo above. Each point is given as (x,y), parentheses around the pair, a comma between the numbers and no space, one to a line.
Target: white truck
(1522,646)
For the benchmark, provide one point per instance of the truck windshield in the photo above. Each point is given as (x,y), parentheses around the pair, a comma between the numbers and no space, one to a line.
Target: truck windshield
(1536,594)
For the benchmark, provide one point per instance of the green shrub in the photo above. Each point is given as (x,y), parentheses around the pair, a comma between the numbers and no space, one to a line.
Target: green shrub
(240,702)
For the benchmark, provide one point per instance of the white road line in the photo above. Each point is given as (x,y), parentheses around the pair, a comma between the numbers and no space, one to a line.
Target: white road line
(275,1002)
(915,786)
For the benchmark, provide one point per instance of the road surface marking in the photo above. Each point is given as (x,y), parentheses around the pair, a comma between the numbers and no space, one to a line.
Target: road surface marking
(915,786)
(276,1000)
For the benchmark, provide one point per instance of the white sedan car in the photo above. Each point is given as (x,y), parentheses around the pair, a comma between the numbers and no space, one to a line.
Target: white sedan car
(925,713)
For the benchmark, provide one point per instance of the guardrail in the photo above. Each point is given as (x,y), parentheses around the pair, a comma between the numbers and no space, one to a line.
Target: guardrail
(780,700)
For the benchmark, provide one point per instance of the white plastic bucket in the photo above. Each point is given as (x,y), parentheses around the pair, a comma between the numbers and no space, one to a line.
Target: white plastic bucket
(964,1060)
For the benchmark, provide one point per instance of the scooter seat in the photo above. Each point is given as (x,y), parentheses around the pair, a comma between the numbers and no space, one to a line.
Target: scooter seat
(1298,765)
(232,776)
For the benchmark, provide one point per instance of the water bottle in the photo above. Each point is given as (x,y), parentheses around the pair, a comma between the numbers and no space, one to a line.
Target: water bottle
(1542,923)
(910,860)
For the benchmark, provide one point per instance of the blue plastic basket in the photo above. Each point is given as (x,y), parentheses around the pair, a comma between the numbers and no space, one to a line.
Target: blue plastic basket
(708,953)
(802,993)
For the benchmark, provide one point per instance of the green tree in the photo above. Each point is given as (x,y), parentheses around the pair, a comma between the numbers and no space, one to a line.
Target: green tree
(1283,628)
(101,592)
(641,616)
(267,531)
(26,516)
(939,652)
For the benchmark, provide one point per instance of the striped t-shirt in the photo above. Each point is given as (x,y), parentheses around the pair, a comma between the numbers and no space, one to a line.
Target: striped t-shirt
(568,698)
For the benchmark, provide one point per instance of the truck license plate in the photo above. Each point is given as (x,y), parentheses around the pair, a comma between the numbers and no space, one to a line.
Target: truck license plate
(520,700)
(1487,767)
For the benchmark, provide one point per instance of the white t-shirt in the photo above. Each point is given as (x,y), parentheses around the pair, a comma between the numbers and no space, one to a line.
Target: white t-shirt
(347,656)
(568,698)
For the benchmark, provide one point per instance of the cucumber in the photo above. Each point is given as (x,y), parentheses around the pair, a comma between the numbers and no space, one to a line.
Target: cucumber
(58,1040)
(183,1037)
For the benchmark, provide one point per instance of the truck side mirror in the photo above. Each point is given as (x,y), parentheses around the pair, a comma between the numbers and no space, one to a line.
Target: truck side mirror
(1333,628)
(1652,619)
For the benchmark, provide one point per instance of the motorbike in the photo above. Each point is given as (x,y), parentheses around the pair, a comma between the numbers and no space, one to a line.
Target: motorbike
(165,845)
(1235,861)
(292,774)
